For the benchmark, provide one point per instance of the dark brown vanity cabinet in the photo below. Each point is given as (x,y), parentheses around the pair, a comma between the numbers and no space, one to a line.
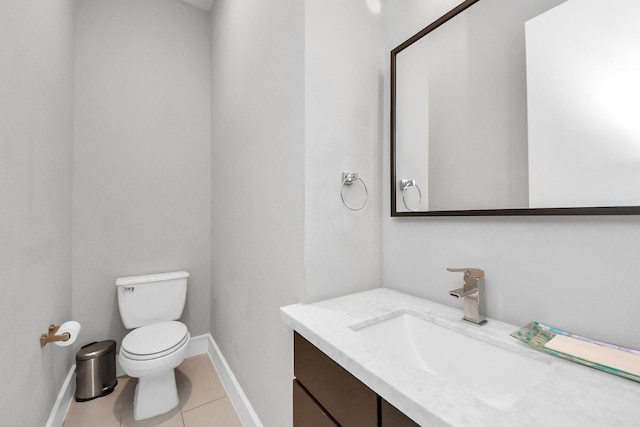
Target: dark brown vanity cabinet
(325,394)
(392,417)
(348,401)
(307,411)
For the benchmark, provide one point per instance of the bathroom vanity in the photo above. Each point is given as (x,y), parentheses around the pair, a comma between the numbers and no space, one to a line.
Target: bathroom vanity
(361,360)
(329,395)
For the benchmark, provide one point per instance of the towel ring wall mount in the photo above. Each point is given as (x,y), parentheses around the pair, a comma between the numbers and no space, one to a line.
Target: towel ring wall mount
(348,179)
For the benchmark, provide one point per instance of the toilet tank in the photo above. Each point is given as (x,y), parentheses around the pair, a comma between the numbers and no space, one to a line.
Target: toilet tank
(151,298)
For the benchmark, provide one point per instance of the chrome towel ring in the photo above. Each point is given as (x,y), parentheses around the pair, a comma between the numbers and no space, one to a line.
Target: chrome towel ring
(348,178)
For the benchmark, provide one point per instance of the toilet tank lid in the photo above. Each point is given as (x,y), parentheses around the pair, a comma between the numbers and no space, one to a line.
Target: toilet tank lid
(147,278)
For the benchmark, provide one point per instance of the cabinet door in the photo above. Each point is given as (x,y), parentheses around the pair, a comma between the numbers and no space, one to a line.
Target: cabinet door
(349,401)
(307,412)
(392,417)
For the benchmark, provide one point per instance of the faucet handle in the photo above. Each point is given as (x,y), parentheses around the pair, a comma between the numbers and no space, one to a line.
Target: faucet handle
(475,273)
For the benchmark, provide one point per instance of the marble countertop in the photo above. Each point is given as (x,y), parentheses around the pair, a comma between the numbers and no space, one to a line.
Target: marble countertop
(572,395)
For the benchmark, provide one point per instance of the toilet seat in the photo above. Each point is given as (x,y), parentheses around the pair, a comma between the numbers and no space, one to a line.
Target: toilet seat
(154,341)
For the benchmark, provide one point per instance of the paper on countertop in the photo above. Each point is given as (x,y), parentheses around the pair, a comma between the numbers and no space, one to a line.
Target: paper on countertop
(608,356)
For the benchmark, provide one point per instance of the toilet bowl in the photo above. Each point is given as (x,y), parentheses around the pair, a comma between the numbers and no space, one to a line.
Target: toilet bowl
(151,353)
(158,343)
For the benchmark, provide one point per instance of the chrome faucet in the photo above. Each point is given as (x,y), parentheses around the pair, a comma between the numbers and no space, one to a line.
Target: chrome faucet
(473,294)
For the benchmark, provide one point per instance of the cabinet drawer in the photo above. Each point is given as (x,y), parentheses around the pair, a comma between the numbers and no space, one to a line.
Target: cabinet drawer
(392,417)
(349,401)
(307,412)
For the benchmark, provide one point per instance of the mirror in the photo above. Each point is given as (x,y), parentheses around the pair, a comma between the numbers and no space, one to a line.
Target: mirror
(529,107)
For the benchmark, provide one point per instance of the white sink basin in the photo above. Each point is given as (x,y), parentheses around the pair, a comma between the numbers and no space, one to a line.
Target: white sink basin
(495,375)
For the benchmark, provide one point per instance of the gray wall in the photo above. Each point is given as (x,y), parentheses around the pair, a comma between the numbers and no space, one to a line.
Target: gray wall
(258,193)
(36,84)
(575,273)
(142,169)
(296,101)
(344,65)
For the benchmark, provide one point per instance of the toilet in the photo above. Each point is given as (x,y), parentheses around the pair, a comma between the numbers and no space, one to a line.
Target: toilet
(151,305)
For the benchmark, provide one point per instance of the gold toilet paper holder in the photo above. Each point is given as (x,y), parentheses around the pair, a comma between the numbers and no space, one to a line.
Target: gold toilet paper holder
(52,337)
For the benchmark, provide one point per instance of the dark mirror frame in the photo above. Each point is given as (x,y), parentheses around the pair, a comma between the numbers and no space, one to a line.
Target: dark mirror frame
(609,210)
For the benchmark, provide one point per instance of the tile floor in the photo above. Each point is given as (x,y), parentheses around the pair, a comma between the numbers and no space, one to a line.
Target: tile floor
(203,402)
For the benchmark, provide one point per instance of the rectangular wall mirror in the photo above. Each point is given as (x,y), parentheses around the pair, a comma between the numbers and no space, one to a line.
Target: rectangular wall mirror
(527,107)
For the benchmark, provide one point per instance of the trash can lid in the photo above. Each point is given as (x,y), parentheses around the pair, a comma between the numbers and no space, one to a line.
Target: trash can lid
(96,349)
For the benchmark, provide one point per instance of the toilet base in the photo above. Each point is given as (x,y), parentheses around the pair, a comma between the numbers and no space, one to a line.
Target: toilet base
(155,395)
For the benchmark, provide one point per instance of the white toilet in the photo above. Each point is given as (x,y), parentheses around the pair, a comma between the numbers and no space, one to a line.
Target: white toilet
(152,304)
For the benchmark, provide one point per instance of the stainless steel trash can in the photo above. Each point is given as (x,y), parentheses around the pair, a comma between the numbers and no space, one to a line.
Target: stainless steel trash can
(95,370)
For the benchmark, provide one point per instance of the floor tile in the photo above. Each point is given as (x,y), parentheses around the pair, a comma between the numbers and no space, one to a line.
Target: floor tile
(100,412)
(217,413)
(172,418)
(198,382)
(203,402)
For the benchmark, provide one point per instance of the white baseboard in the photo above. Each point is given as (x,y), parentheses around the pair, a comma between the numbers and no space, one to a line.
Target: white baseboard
(61,405)
(206,344)
(198,345)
